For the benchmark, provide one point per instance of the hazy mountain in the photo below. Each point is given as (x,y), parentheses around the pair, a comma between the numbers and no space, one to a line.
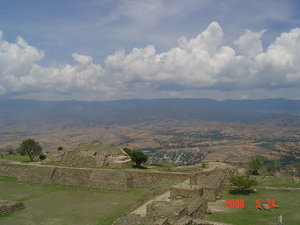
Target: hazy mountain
(16,112)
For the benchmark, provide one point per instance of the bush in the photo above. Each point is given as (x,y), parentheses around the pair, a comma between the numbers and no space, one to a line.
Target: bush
(12,151)
(128,151)
(60,148)
(42,157)
(242,184)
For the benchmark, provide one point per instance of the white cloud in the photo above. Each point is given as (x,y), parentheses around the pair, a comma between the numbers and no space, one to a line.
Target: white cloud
(82,59)
(2,90)
(202,63)
(250,43)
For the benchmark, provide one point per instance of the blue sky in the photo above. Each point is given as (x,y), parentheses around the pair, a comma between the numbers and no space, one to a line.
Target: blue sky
(109,49)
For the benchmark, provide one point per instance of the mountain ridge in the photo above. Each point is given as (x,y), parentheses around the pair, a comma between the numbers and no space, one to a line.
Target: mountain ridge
(24,111)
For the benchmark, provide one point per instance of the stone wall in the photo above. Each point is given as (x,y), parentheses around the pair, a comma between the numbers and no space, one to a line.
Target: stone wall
(27,173)
(211,182)
(148,178)
(7,207)
(96,178)
(111,179)
(206,222)
(71,176)
(171,212)
(186,190)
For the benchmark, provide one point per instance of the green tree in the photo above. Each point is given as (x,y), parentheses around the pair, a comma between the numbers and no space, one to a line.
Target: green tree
(297,168)
(42,156)
(60,148)
(271,168)
(255,165)
(31,148)
(128,151)
(138,158)
(243,184)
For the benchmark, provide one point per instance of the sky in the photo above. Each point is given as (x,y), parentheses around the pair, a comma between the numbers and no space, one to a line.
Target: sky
(99,50)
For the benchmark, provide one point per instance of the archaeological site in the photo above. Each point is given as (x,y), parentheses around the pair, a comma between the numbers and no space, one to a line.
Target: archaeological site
(97,166)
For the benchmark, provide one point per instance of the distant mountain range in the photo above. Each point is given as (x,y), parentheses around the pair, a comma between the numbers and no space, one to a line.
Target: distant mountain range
(125,112)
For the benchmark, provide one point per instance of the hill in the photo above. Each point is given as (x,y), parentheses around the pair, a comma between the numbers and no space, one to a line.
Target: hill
(17,112)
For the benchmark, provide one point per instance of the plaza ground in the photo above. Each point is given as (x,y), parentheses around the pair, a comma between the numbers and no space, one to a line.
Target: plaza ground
(48,204)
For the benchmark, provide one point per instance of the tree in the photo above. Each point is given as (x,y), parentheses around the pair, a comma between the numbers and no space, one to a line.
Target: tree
(60,148)
(297,168)
(31,148)
(42,157)
(138,158)
(128,151)
(242,184)
(12,151)
(255,165)
(271,167)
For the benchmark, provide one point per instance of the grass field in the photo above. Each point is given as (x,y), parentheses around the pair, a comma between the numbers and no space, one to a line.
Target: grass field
(288,201)
(21,158)
(278,182)
(48,204)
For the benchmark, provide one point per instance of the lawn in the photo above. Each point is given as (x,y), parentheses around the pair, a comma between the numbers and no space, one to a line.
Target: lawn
(288,201)
(21,158)
(48,204)
(277,182)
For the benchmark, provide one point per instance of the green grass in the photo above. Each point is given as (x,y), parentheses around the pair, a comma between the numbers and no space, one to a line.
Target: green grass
(20,158)
(278,182)
(288,202)
(57,204)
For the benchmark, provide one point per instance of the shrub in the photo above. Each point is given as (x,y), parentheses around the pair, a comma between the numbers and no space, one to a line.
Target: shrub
(242,184)
(128,151)
(42,157)
(12,151)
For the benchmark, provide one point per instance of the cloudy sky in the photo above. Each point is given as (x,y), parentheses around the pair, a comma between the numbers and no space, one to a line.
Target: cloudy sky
(120,49)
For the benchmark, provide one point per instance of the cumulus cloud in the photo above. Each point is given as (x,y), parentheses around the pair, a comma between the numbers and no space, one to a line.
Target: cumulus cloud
(201,63)
(250,43)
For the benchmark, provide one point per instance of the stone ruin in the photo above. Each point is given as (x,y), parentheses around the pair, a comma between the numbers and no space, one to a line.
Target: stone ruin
(90,156)
(206,184)
(175,212)
(7,207)
(187,202)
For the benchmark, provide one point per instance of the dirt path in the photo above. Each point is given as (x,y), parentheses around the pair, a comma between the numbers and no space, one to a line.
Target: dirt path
(142,210)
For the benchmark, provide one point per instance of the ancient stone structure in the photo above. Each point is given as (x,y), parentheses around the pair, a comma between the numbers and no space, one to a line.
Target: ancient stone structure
(186,190)
(205,222)
(87,177)
(91,156)
(205,184)
(175,212)
(196,191)
(7,207)
(172,211)
(196,188)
